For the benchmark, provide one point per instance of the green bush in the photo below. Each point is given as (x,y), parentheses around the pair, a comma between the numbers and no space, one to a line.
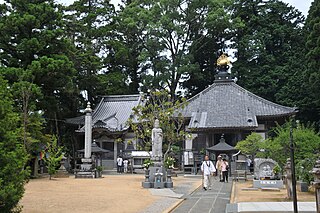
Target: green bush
(55,155)
(307,148)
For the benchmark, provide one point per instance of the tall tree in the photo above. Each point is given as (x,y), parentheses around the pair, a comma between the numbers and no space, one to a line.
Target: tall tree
(209,40)
(32,41)
(312,28)
(267,45)
(89,25)
(155,37)
(126,49)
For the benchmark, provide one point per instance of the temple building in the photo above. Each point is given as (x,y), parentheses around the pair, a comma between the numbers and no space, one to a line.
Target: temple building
(110,130)
(225,113)
(223,109)
(226,108)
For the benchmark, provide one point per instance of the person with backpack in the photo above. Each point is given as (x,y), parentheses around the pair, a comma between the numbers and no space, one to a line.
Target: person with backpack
(207,169)
(225,170)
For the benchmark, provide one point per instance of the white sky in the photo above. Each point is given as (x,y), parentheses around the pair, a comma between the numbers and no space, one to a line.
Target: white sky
(302,5)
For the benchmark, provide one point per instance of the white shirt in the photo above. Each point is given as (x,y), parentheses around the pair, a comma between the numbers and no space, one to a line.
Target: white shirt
(119,161)
(125,163)
(207,167)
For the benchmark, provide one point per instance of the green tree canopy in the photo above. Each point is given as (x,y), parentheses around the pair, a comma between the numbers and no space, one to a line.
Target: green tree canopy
(159,105)
(312,29)
(251,145)
(307,146)
(268,47)
(13,157)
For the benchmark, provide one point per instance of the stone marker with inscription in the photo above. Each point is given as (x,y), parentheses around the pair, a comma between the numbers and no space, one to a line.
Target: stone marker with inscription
(264,176)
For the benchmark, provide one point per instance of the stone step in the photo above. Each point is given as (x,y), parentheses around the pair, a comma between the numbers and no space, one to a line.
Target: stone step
(270,207)
(84,174)
(249,189)
(270,189)
(192,176)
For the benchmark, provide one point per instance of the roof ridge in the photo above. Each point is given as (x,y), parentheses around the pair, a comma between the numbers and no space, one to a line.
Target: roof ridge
(116,96)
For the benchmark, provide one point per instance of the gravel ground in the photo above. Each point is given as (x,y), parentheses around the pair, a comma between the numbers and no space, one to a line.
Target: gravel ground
(112,193)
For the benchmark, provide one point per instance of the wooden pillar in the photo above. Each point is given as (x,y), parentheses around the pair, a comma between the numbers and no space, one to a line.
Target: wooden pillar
(207,143)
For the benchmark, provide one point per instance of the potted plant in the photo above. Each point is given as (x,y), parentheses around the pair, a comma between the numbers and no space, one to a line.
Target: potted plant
(276,171)
(99,170)
(146,164)
(168,164)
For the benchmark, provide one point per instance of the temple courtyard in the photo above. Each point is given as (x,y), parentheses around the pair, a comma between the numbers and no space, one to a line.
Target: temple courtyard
(123,193)
(112,193)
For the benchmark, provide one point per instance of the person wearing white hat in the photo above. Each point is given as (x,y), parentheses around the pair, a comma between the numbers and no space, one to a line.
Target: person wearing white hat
(219,168)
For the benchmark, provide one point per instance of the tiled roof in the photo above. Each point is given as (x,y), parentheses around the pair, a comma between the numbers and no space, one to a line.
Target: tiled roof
(227,105)
(221,146)
(112,113)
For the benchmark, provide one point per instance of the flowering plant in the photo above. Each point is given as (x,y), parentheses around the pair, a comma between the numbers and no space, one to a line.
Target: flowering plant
(147,163)
(168,163)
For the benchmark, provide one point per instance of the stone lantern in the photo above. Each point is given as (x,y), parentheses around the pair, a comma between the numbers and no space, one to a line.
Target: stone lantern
(316,173)
(287,168)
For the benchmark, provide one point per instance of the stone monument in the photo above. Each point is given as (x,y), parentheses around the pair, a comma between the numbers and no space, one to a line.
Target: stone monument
(62,171)
(264,176)
(157,139)
(86,170)
(157,173)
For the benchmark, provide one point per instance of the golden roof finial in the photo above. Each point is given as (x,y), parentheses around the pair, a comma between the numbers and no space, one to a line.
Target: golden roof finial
(223,60)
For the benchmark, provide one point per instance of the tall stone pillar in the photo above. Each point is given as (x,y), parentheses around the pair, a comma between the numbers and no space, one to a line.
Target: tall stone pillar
(88,132)
(316,172)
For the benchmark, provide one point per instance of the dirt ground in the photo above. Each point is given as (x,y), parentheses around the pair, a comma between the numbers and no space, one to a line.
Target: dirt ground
(113,193)
(239,195)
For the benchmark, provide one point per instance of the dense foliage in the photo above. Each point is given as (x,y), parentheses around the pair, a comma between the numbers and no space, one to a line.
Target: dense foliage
(13,156)
(251,145)
(54,58)
(306,147)
(54,154)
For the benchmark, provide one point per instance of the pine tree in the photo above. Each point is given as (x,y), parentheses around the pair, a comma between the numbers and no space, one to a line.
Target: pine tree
(32,41)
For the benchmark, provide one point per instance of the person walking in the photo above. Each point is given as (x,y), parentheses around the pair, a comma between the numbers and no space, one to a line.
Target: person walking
(207,169)
(225,169)
(218,166)
(119,164)
(125,165)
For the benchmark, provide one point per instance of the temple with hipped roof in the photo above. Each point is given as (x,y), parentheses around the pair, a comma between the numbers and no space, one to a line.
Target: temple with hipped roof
(222,109)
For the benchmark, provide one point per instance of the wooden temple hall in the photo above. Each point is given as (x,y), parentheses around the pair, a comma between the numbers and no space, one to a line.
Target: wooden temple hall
(225,113)
(218,117)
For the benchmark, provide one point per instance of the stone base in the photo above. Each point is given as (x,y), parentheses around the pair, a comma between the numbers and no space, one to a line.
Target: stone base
(146,185)
(153,170)
(268,184)
(158,185)
(169,184)
(85,174)
(302,186)
(61,174)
